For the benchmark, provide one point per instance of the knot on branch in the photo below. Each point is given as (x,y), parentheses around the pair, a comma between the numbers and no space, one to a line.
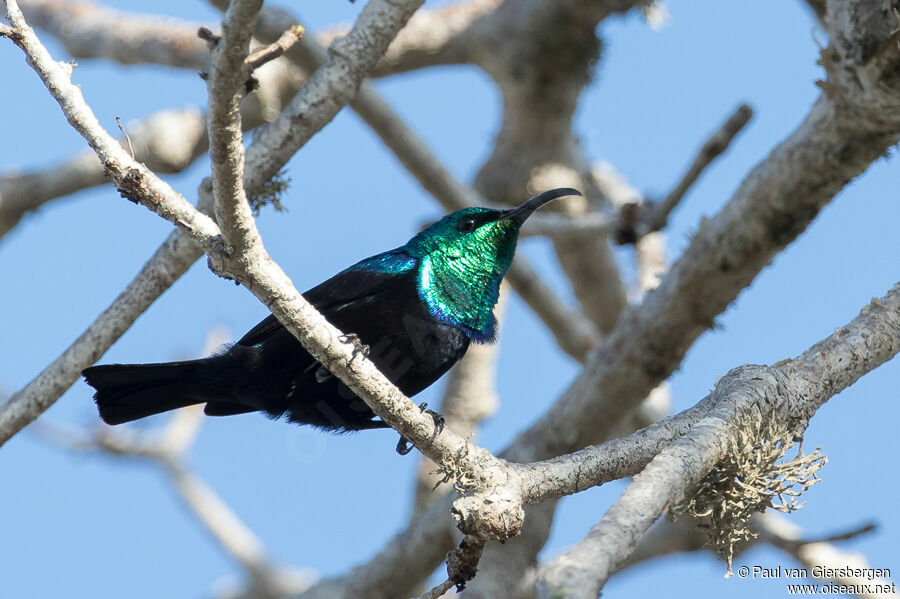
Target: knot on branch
(491,505)
(494,514)
(129,182)
(219,260)
(752,476)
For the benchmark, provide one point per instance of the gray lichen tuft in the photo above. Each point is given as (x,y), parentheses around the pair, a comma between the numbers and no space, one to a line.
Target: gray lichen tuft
(269,193)
(752,477)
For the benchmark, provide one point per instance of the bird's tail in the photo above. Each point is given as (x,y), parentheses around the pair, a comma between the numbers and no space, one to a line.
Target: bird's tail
(127,392)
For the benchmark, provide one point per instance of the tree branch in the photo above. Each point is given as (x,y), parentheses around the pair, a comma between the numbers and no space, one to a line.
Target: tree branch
(637,220)
(714,147)
(131,178)
(573,332)
(166,448)
(88,30)
(789,393)
(227,78)
(820,554)
(440,36)
(845,131)
(328,89)
(170,261)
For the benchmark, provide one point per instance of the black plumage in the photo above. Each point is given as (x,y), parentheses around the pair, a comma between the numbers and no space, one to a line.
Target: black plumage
(268,370)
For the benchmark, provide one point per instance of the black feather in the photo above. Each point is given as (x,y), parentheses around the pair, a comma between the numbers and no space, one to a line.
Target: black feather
(268,370)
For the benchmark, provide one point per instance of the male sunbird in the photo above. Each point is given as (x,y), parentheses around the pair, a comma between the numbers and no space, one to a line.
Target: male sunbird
(416,308)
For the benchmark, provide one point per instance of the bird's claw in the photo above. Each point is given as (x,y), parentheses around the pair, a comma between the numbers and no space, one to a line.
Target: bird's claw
(437,417)
(404,446)
(358,346)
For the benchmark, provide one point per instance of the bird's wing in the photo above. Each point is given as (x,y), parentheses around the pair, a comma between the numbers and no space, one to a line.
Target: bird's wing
(361,282)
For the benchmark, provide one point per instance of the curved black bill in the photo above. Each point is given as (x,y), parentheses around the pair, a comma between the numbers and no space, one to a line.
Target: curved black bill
(527,208)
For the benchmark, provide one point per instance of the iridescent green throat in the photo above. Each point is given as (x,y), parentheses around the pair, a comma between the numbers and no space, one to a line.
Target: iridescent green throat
(459,273)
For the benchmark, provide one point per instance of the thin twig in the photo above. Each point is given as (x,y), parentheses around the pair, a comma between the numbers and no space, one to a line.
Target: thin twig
(438,591)
(272,51)
(128,139)
(714,147)
(553,224)
(638,218)
(634,220)
(852,533)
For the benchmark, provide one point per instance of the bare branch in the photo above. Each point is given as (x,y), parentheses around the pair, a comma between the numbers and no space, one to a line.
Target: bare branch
(767,212)
(608,461)
(635,218)
(125,37)
(438,591)
(229,531)
(400,565)
(714,147)
(170,261)
(155,146)
(274,50)
(328,89)
(227,79)
(790,393)
(594,224)
(131,178)
(165,448)
(439,36)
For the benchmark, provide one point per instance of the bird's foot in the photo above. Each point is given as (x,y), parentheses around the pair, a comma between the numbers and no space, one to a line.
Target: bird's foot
(359,348)
(439,420)
(404,446)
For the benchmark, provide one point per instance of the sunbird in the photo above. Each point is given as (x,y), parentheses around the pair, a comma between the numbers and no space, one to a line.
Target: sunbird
(414,310)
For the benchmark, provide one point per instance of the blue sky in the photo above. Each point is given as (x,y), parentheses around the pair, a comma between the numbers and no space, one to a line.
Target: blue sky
(87,526)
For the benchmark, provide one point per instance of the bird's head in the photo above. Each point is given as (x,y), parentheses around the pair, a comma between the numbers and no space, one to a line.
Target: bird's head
(463,257)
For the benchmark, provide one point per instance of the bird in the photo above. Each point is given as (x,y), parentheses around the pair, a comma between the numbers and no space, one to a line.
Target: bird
(413,311)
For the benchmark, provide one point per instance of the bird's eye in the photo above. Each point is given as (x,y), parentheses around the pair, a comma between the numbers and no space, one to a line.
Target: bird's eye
(466,224)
